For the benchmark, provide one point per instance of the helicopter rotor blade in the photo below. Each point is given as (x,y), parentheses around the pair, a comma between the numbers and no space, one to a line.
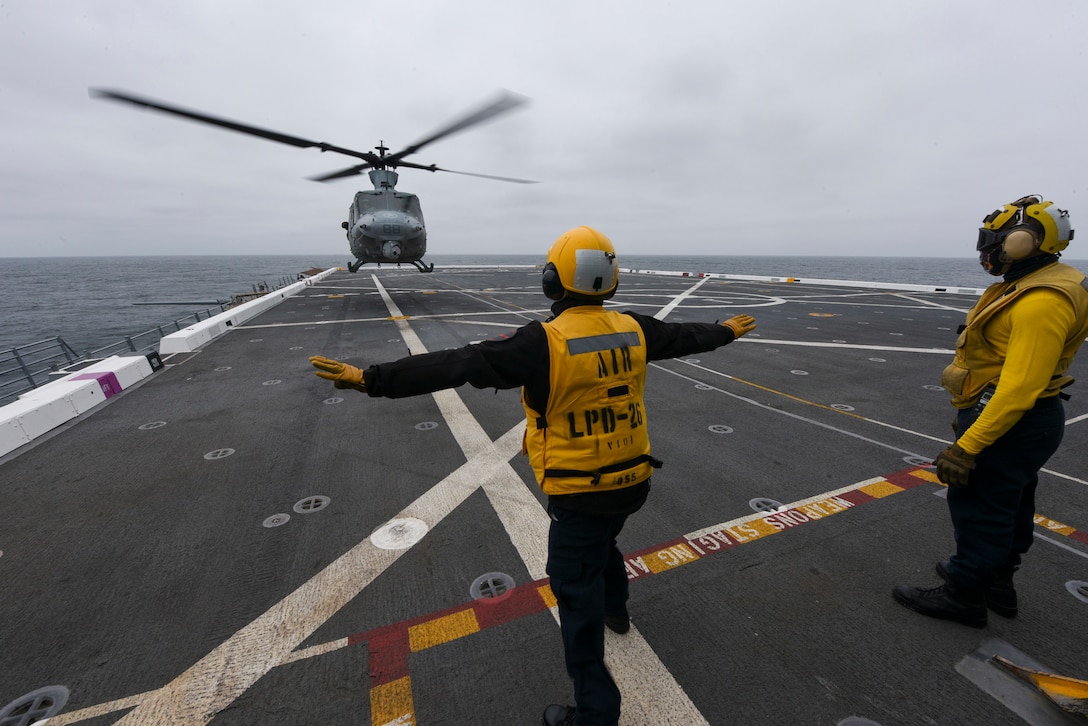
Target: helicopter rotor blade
(350,171)
(201,117)
(506,101)
(432,167)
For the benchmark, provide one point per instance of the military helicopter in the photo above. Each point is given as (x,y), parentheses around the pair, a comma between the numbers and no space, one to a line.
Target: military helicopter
(383,225)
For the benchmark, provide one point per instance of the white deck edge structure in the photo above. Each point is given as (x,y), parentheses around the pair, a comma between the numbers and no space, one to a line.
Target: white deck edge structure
(43,409)
(949,289)
(199,334)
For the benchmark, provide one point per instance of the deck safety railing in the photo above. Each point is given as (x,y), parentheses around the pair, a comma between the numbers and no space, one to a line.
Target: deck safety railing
(25,367)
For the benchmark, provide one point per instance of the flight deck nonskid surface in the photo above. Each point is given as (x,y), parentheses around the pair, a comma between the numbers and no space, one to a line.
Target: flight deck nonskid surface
(199,549)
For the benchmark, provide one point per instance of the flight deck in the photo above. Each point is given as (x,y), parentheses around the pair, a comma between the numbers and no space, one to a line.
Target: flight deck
(235,541)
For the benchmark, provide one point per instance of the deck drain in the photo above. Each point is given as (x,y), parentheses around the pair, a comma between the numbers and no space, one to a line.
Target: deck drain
(703,387)
(841,407)
(34,707)
(426,425)
(218,454)
(311,504)
(492,586)
(932,387)
(256,340)
(720,429)
(273,382)
(399,534)
(915,460)
(220,369)
(276,520)
(693,361)
(1078,589)
(334,399)
(295,347)
(799,373)
(857,721)
(763,504)
(879,360)
(152,425)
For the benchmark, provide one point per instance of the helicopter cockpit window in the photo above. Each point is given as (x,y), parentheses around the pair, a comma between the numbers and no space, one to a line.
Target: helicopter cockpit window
(407,203)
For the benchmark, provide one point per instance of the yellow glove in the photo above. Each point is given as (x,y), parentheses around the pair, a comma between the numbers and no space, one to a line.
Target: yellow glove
(342,375)
(954,465)
(740,324)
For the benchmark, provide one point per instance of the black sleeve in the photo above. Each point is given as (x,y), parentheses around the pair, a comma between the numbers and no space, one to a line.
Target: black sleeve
(502,363)
(673,340)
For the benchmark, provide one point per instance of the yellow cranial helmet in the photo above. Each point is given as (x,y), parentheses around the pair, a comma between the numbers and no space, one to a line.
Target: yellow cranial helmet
(1020,230)
(581,263)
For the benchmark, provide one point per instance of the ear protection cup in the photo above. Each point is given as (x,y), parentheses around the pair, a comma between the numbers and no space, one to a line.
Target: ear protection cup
(553,286)
(1019,244)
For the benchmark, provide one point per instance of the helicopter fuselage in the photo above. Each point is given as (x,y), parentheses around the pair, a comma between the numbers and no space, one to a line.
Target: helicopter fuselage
(385,225)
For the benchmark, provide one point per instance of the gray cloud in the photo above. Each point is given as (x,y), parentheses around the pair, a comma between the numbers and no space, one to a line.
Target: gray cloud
(776,127)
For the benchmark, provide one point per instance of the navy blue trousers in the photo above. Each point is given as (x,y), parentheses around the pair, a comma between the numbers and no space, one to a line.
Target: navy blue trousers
(993,516)
(588,578)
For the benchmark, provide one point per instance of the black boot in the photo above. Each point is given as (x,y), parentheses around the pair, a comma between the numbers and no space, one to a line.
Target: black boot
(556,715)
(619,623)
(1000,595)
(944,602)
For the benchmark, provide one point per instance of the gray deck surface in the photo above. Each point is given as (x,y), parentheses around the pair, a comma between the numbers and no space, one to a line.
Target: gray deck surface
(136,570)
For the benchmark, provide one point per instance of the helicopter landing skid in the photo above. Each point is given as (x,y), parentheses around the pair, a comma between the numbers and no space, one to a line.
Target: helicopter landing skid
(419,265)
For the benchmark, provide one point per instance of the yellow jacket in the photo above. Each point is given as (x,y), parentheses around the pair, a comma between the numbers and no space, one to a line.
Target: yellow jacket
(592,437)
(1021,336)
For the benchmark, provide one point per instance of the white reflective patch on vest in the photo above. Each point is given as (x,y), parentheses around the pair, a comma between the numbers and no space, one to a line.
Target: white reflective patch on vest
(596,343)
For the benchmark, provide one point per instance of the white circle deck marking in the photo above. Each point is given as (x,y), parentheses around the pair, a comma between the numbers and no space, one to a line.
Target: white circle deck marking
(218,454)
(399,534)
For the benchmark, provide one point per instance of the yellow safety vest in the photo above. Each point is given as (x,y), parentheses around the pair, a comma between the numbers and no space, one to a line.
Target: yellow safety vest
(978,361)
(592,435)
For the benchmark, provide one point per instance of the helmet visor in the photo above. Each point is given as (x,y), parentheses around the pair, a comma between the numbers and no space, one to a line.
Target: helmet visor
(988,238)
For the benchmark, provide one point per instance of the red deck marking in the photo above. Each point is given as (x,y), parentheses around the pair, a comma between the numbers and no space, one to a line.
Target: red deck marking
(522,601)
(388,652)
(906,478)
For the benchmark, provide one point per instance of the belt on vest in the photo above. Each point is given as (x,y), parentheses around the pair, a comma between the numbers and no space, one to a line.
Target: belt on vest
(610,469)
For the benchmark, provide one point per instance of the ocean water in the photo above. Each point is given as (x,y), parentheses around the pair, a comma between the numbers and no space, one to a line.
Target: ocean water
(89,301)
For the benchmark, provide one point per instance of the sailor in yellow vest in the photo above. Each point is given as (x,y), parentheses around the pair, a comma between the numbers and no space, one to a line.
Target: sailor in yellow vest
(1011,364)
(582,374)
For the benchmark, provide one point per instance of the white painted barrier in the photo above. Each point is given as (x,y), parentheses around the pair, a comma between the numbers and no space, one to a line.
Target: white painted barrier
(42,409)
(199,334)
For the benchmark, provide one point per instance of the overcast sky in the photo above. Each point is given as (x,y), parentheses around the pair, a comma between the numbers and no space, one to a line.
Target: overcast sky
(774,127)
